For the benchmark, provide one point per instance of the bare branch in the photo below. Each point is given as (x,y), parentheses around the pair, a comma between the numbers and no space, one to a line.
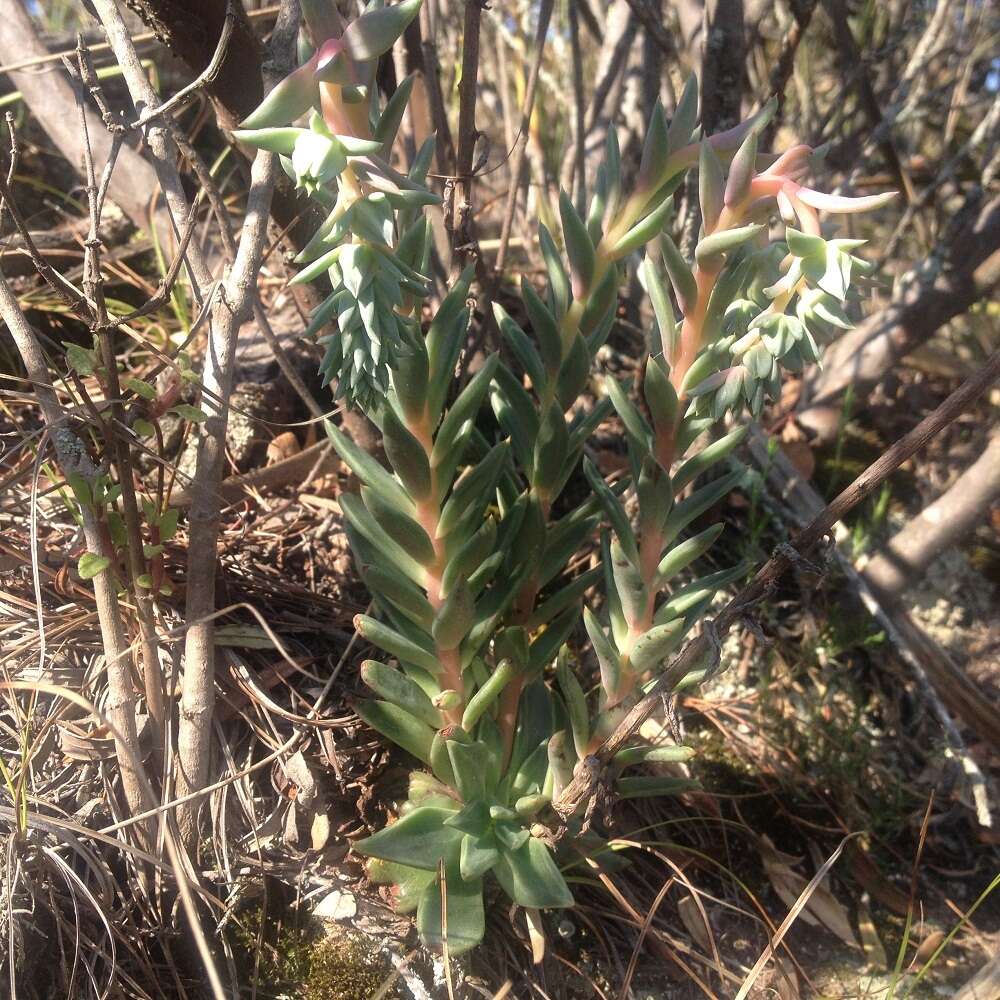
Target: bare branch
(521,142)
(206,76)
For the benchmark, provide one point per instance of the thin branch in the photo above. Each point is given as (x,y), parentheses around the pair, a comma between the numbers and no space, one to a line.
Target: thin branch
(206,76)
(117,447)
(235,304)
(62,287)
(521,143)
(579,116)
(73,458)
(651,18)
(459,217)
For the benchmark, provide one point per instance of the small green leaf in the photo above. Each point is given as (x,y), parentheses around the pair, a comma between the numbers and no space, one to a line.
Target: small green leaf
(488,694)
(468,763)
(187,412)
(650,786)
(395,644)
(576,701)
(607,655)
(685,116)
(90,564)
(741,170)
(651,649)
(681,556)
(81,489)
(711,186)
(401,528)
(140,388)
(168,523)
(632,591)
(291,98)
(454,618)
(724,241)
(653,755)
(474,819)
(116,528)
(143,427)
(398,689)
(559,291)
(685,286)
(406,455)
(81,360)
(373,33)
(655,151)
(550,450)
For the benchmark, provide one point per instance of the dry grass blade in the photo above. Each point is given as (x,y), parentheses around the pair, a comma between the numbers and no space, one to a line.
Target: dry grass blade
(791,917)
(170,842)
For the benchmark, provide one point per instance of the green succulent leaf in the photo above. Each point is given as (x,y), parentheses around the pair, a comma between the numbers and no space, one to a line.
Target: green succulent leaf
(398,689)
(452,916)
(607,655)
(530,877)
(373,33)
(487,694)
(681,556)
(419,840)
(650,649)
(455,617)
(685,116)
(398,725)
(576,701)
(395,644)
(478,855)
(406,455)
(711,186)
(578,246)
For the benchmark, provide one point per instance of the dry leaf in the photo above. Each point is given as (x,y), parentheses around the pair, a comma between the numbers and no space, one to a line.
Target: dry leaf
(870,941)
(786,980)
(694,922)
(283,446)
(822,907)
(536,932)
(290,830)
(801,456)
(874,882)
(928,946)
(319,832)
(300,774)
(242,637)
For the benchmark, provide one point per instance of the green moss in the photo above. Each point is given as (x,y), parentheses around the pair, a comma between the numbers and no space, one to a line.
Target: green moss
(309,963)
(346,968)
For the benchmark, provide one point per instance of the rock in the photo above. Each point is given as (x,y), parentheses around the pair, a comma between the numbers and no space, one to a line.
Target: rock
(337,905)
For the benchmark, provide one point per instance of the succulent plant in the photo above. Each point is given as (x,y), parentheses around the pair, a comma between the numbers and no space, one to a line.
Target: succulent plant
(374,241)
(457,540)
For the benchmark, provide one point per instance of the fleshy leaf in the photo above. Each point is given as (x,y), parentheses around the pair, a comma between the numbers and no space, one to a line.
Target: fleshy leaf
(420,839)
(530,877)
(464,920)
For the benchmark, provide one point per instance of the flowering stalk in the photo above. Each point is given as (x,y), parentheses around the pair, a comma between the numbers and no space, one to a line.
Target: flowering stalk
(469,566)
